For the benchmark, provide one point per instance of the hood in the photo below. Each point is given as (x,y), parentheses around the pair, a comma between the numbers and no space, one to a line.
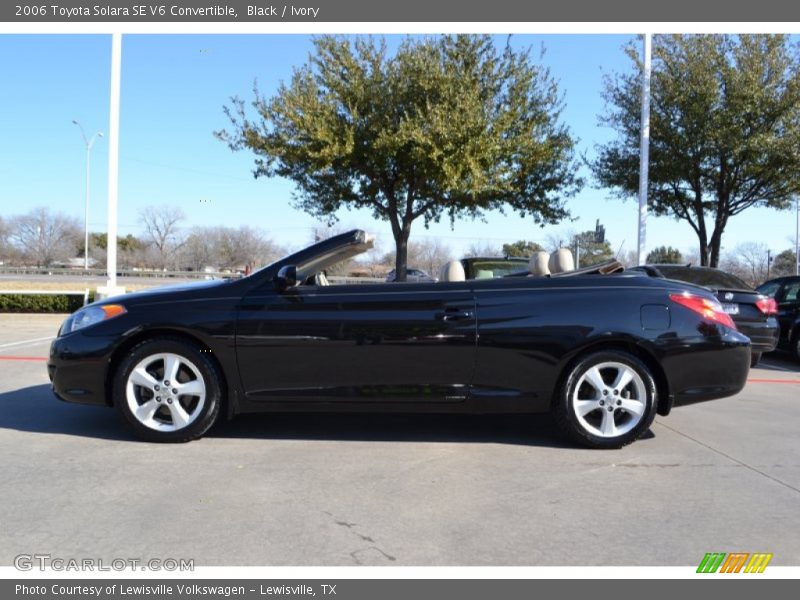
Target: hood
(179,287)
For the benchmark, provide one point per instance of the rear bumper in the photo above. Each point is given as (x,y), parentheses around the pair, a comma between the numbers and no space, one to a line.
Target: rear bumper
(763,336)
(712,370)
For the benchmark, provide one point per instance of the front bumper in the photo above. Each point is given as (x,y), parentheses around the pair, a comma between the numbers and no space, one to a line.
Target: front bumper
(77,368)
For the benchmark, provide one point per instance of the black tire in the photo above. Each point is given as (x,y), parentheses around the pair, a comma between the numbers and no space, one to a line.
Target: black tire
(565,414)
(207,370)
(755,357)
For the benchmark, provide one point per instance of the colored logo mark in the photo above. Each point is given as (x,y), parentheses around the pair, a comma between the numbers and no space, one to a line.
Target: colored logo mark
(735,562)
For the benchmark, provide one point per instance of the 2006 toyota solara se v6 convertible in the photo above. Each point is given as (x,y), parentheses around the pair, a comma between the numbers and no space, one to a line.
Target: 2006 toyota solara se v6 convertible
(603,349)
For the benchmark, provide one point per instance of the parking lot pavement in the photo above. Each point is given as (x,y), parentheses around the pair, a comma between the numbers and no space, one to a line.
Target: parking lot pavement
(394,489)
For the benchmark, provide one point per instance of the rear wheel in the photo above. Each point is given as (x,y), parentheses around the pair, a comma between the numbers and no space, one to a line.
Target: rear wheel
(754,358)
(167,390)
(607,400)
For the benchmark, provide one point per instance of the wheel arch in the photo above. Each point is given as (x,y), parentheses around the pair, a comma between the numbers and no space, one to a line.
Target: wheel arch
(665,397)
(123,348)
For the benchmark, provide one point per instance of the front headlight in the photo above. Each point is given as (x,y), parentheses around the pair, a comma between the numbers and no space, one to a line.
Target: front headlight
(91,315)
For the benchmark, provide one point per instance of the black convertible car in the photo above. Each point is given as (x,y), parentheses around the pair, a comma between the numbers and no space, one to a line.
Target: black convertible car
(603,350)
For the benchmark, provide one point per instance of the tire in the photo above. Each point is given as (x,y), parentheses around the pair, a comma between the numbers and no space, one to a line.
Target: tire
(755,357)
(153,406)
(581,406)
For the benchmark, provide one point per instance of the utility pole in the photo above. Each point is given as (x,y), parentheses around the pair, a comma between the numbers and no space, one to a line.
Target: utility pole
(644,149)
(769,261)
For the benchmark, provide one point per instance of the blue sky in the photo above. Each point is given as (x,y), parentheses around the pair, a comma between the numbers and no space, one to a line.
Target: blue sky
(173,91)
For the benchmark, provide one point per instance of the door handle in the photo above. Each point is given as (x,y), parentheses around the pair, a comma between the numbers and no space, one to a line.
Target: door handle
(450,316)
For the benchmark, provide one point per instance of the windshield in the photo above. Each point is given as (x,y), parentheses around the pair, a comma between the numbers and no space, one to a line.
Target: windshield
(705,276)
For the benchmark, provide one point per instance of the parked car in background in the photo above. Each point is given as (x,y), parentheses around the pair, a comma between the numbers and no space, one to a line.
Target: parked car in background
(754,313)
(786,293)
(482,267)
(412,275)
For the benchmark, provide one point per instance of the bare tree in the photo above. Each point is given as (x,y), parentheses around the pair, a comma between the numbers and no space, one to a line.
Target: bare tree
(244,246)
(482,248)
(162,230)
(5,245)
(748,262)
(429,255)
(560,239)
(43,237)
(228,248)
(197,252)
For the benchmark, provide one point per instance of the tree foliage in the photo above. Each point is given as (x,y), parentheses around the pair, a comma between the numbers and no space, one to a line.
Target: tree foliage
(725,130)
(783,264)
(664,255)
(522,248)
(446,127)
(588,251)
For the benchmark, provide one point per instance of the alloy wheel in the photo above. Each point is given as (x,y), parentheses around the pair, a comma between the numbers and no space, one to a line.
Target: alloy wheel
(165,392)
(609,400)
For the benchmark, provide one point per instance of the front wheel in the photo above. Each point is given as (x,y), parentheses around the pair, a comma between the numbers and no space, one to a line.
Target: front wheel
(167,390)
(607,400)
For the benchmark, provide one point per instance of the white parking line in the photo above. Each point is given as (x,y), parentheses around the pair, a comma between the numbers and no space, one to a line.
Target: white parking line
(778,367)
(26,342)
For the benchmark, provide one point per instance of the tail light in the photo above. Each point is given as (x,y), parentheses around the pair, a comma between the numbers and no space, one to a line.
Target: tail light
(767,305)
(708,308)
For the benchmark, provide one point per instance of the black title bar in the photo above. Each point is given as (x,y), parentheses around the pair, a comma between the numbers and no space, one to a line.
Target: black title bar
(406,11)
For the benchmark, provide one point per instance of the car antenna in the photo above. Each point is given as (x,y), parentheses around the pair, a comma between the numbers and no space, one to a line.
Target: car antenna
(620,250)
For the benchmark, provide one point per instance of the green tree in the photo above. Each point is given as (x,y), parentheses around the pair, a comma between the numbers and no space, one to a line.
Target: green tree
(783,264)
(725,129)
(129,243)
(521,248)
(589,251)
(664,255)
(446,127)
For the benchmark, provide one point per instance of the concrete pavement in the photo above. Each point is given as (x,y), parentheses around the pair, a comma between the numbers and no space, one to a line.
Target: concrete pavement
(394,489)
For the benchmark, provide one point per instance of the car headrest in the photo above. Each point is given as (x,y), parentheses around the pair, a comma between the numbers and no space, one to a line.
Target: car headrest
(452,271)
(561,261)
(537,265)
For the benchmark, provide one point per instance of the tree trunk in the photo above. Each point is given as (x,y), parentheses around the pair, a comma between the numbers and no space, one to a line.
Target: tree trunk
(703,252)
(714,247)
(401,255)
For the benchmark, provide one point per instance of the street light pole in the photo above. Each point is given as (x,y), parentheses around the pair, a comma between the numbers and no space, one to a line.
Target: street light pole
(88,142)
(644,148)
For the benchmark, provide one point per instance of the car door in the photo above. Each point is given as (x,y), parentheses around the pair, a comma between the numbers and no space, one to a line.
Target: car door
(788,299)
(404,342)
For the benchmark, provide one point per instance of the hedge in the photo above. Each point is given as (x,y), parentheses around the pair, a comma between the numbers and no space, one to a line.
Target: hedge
(34,303)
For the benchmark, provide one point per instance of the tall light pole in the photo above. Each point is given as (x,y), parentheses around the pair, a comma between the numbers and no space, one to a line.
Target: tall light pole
(88,142)
(644,149)
(111,288)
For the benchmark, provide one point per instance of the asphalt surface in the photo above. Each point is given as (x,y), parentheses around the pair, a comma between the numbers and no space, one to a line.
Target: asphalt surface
(721,476)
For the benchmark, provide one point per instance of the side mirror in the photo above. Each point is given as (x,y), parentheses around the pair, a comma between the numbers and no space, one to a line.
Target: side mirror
(286,278)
